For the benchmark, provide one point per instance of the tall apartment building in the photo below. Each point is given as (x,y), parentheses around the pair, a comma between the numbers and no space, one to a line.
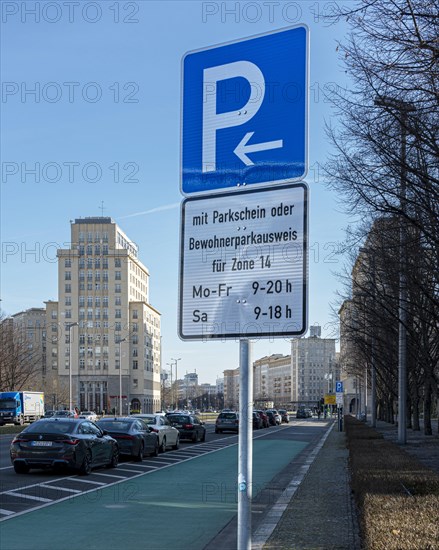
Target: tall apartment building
(314,368)
(231,388)
(272,380)
(103,327)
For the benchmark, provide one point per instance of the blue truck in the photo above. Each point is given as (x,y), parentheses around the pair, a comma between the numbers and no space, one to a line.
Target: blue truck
(18,407)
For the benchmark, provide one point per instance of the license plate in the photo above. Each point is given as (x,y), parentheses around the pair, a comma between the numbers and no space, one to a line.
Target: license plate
(178,425)
(42,443)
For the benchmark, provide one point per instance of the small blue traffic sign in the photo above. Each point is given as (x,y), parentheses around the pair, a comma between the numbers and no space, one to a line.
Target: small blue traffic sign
(339,387)
(245,113)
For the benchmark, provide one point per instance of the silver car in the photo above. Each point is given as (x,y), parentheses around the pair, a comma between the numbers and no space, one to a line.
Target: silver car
(227,421)
(158,423)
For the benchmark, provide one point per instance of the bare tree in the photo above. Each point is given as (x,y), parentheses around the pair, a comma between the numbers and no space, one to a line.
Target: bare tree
(20,360)
(386,166)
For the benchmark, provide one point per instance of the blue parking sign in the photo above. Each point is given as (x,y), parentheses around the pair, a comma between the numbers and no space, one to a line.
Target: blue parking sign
(339,387)
(245,113)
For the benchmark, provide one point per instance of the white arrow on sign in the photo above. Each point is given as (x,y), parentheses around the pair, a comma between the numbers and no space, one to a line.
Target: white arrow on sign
(242,149)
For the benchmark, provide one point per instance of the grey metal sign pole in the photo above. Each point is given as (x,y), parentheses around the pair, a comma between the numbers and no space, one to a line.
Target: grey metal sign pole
(245,446)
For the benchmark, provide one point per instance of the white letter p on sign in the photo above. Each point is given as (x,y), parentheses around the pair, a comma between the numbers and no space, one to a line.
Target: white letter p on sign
(213,121)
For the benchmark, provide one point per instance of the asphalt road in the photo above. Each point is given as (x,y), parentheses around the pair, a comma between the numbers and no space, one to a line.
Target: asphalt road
(181,499)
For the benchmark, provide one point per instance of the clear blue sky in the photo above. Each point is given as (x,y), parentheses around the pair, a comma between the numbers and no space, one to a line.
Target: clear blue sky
(132,131)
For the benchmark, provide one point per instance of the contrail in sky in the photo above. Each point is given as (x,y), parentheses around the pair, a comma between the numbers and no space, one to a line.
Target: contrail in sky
(152,210)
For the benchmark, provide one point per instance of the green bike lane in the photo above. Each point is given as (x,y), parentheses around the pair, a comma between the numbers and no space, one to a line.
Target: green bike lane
(180,506)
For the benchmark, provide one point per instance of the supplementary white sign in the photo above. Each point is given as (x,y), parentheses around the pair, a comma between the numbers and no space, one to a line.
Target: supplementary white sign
(243,264)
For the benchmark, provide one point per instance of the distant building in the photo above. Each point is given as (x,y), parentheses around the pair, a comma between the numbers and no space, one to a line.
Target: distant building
(231,388)
(272,381)
(103,326)
(314,368)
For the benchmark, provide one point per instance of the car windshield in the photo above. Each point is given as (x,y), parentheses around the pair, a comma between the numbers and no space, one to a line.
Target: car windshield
(148,420)
(228,416)
(178,418)
(7,404)
(50,427)
(115,425)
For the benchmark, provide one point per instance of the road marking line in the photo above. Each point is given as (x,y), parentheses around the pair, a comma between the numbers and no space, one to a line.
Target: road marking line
(87,481)
(30,497)
(110,475)
(6,512)
(127,470)
(144,466)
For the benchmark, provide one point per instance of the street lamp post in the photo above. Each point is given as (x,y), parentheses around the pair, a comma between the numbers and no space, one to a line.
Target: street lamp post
(172,396)
(70,326)
(176,379)
(403,108)
(120,374)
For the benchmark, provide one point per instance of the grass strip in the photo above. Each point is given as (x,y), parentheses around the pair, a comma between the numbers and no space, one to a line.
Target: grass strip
(397,497)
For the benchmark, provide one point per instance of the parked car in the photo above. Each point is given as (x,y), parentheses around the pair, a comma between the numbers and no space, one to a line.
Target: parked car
(134,437)
(271,418)
(65,414)
(89,415)
(284,415)
(257,421)
(159,423)
(303,412)
(189,426)
(264,418)
(52,442)
(227,421)
(277,417)
(48,414)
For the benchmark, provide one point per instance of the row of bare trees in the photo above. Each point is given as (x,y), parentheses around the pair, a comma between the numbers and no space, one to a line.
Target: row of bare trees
(21,361)
(385,166)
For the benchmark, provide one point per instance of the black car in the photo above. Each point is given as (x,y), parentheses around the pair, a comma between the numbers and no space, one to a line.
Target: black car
(54,442)
(257,421)
(303,413)
(284,415)
(133,436)
(189,426)
(272,419)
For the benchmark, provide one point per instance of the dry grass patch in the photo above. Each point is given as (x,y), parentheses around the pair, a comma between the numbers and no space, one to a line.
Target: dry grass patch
(397,497)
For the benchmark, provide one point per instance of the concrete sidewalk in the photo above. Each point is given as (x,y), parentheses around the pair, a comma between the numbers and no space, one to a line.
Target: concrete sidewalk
(321,514)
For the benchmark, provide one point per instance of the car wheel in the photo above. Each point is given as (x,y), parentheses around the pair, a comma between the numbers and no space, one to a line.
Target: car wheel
(195,437)
(156,449)
(203,438)
(217,431)
(140,454)
(114,458)
(163,445)
(21,468)
(85,468)
(177,443)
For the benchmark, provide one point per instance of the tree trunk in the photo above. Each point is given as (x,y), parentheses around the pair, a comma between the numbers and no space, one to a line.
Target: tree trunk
(427,408)
(409,413)
(416,425)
